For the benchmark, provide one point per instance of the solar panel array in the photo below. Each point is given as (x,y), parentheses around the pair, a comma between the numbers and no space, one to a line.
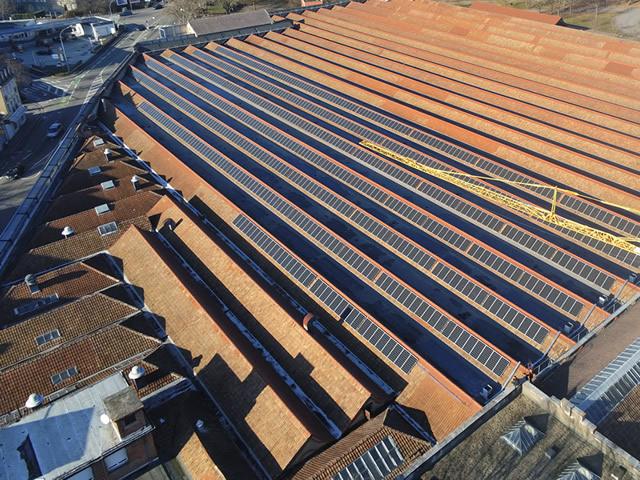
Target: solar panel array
(335,302)
(275,251)
(629,258)
(417,255)
(433,226)
(466,341)
(376,336)
(302,221)
(586,208)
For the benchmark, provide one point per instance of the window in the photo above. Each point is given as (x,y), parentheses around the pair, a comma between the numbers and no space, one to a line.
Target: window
(63,375)
(108,228)
(47,337)
(86,474)
(129,419)
(116,460)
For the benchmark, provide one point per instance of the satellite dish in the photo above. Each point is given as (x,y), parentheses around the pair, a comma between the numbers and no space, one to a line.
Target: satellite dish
(136,372)
(34,400)
(67,231)
(104,418)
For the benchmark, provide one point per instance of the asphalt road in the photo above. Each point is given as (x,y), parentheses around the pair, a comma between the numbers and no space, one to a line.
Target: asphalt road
(30,147)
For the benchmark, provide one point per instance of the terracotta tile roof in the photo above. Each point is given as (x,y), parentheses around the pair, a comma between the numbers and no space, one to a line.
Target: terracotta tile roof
(81,200)
(71,320)
(206,454)
(69,283)
(365,437)
(270,319)
(72,248)
(223,23)
(442,406)
(92,156)
(161,370)
(127,208)
(517,13)
(272,420)
(622,425)
(80,179)
(89,355)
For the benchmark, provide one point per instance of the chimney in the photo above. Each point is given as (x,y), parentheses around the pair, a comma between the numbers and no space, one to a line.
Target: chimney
(67,232)
(32,283)
(107,154)
(136,182)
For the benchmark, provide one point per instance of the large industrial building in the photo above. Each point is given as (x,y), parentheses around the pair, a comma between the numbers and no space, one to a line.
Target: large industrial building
(354,239)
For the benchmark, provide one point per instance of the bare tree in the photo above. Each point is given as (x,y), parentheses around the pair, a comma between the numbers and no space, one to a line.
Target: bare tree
(6,9)
(229,6)
(185,10)
(18,69)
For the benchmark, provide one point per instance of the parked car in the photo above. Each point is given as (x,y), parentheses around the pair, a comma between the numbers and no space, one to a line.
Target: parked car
(54,130)
(126,13)
(158,6)
(15,172)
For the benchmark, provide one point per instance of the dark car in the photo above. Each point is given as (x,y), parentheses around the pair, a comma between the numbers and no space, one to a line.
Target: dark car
(158,6)
(126,13)
(15,172)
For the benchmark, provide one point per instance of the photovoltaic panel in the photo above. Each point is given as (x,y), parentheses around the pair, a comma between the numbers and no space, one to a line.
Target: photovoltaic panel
(473,346)
(391,170)
(371,332)
(275,251)
(496,170)
(312,228)
(356,182)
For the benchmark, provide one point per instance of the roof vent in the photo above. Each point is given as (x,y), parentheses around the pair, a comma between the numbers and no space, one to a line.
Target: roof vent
(551,453)
(200,426)
(136,372)
(67,231)
(107,154)
(602,300)
(94,171)
(308,320)
(567,328)
(136,182)
(486,391)
(32,283)
(97,142)
(34,400)
(633,278)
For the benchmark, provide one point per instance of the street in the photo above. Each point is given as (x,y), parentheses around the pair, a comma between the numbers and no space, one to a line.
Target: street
(59,99)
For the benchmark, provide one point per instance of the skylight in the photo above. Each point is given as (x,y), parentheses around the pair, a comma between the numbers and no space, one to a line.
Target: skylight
(578,472)
(522,437)
(63,375)
(108,185)
(94,171)
(108,228)
(375,464)
(97,142)
(35,305)
(47,337)
(104,208)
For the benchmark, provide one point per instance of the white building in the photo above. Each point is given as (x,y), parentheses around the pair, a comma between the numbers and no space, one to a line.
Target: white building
(12,112)
(95,30)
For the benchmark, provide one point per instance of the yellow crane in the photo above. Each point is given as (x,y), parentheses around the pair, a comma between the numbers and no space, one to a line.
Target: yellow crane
(549,216)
